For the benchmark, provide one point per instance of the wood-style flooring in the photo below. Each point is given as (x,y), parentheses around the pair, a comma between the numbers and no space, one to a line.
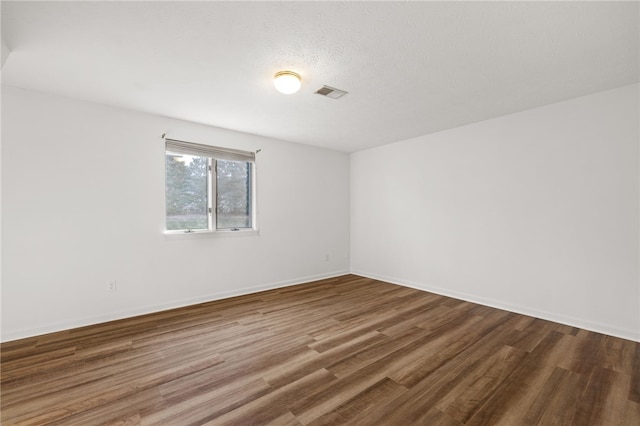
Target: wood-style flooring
(347,350)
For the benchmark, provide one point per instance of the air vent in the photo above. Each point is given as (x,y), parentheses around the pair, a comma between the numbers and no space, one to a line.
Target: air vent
(331,92)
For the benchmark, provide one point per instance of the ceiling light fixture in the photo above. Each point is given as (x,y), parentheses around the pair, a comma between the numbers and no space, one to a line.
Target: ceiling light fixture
(287,82)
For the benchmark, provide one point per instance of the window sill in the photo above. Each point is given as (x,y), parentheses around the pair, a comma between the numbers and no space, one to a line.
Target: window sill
(210,234)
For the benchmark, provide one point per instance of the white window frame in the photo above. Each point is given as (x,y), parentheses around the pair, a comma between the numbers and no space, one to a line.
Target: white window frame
(214,154)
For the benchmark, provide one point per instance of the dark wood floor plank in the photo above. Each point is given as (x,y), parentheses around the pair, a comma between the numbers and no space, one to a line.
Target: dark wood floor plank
(358,359)
(634,389)
(592,401)
(522,385)
(422,318)
(425,356)
(437,386)
(480,384)
(212,404)
(344,350)
(618,410)
(560,400)
(358,406)
(294,370)
(277,403)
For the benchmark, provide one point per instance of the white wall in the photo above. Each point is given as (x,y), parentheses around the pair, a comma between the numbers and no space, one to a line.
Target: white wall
(535,212)
(83,203)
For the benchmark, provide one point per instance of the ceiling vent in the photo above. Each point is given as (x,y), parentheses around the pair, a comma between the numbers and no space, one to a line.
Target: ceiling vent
(331,92)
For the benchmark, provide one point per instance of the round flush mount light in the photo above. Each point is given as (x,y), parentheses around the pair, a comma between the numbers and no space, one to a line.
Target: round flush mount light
(287,82)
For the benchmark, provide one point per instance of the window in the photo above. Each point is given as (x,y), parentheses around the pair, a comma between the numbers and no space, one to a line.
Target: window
(208,189)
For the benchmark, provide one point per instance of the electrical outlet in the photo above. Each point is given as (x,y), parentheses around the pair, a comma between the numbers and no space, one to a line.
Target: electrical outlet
(326,257)
(111,286)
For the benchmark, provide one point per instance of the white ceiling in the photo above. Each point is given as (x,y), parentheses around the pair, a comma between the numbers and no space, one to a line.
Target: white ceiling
(411,68)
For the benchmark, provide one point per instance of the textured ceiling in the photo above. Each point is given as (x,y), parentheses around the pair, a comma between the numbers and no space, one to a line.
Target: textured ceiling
(411,68)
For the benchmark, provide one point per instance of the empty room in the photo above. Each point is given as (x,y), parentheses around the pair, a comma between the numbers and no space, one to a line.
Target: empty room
(320,213)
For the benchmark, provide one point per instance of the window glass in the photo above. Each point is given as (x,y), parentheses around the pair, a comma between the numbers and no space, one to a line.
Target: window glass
(233,204)
(187,192)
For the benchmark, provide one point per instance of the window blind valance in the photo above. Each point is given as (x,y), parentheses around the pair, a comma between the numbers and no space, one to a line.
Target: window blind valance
(189,148)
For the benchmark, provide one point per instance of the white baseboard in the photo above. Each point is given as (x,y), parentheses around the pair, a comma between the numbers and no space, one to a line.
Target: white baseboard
(82,322)
(628,334)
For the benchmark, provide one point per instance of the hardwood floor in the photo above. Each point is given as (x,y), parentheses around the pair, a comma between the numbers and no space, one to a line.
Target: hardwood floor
(346,350)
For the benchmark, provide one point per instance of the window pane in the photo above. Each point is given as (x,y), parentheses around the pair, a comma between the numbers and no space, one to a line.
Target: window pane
(233,207)
(186,192)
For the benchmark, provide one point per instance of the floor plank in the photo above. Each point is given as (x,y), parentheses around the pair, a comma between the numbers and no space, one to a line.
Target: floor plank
(345,350)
